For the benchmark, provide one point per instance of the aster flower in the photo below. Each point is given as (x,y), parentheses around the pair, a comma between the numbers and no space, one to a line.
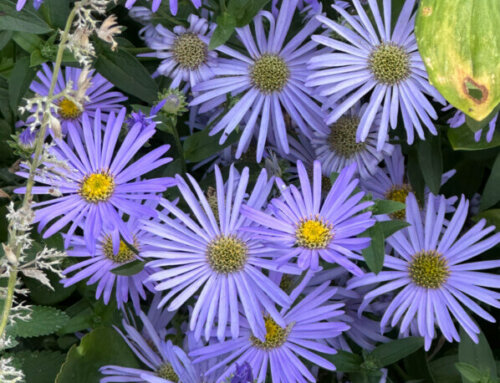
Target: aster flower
(305,226)
(27,138)
(164,362)
(242,374)
(339,148)
(307,325)
(213,255)
(173,4)
(21,3)
(431,276)
(96,182)
(98,268)
(140,118)
(93,92)
(386,63)
(269,82)
(391,182)
(458,119)
(184,52)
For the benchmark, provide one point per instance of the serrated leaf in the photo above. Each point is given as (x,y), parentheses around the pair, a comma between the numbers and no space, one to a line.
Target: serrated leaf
(478,355)
(22,21)
(126,72)
(44,320)
(38,366)
(375,253)
(130,268)
(391,352)
(101,347)
(384,206)
(462,138)
(431,161)
(491,193)
(201,145)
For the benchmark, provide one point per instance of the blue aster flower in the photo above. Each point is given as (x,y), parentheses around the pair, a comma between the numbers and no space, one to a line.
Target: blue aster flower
(164,362)
(96,180)
(27,138)
(339,148)
(173,4)
(242,374)
(432,274)
(21,3)
(304,225)
(140,118)
(184,52)
(386,64)
(212,254)
(306,327)
(458,119)
(99,95)
(269,83)
(111,254)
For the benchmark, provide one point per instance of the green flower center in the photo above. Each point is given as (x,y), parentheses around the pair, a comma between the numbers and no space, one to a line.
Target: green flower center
(276,336)
(342,137)
(428,269)
(398,193)
(125,253)
(269,73)
(227,254)
(189,51)
(389,63)
(167,372)
(97,187)
(313,233)
(68,110)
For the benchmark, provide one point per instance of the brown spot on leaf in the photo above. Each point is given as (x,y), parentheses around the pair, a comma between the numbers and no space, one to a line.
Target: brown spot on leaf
(427,11)
(476,92)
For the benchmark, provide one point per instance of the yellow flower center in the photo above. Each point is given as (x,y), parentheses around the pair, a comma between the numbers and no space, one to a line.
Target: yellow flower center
(389,63)
(276,336)
(166,371)
(342,137)
(68,110)
(125,253)
(313,233)
(269,73)
(227,254)
(398,193)
(189,51)
(97,187)
(428,269)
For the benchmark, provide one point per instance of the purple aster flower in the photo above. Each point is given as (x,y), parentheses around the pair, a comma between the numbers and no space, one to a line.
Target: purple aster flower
(21,3)
(96,180)
(27,138)
(99,95)
(164,362)
(431,275)
(339,148)
(140,118)
(172,3)
(303,334)
(387,64)
(242,374)
(269,82)
(98,268)
(458,119)
(304,225)
(184,52)
(212,254)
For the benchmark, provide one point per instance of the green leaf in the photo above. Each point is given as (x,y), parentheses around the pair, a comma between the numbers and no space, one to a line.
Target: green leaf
(44,320)
(491,193)
(201,145)
(226,24)
(28,41)
(56,12)
(492,216)
(19,81)
(415,175)
(478,125)
(344,361)
(244,11)
(469,372)
(130,268)
(101,347)
(22,21)
(478,355)
(375,253)
(385,206)
(126,72)
(443,370)
(391,227)
(462,138)
(42,295)
(391,352)
(38,366)
(431,162)
(5,37)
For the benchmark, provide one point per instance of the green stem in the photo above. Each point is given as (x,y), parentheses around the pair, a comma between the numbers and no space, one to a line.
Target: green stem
(178,143)
(40,140)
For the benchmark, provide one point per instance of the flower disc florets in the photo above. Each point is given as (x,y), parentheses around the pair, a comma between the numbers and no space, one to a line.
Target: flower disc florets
(313,233)
(227,254)
(270,73)
(398,193)
(389,63)
(189,51)
(276,336)
(97,187)
(167,372)
(125,253)
(428,269)
(342,137)
(68,110)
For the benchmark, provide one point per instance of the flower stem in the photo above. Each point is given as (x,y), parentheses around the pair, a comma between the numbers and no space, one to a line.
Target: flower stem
(39,143)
